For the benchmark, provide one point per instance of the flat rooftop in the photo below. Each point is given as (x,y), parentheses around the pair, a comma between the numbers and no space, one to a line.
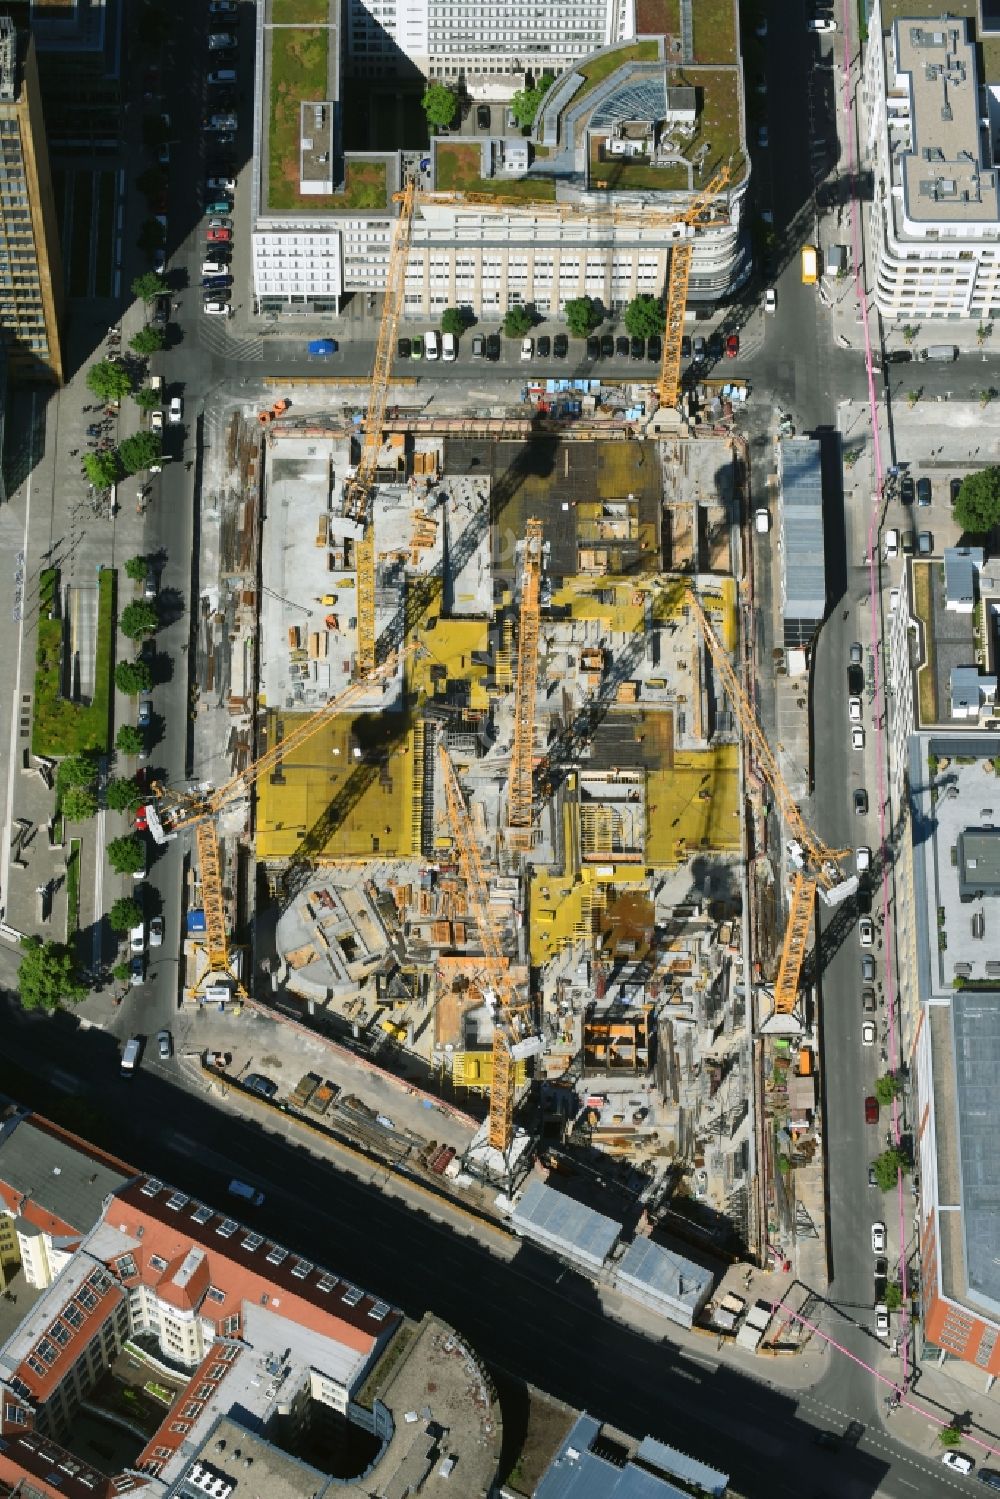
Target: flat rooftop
(944,176)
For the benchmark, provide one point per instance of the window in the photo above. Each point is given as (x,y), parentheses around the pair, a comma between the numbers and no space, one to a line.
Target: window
(301,1269)
(214,1294)
(157,1262)
(176,1201)
(201,1214)
(126,1267)
(227,1228)
(253,1241)
(46,1351)
(231,1325)
(379,1311)
(59,1333)
(151,1186)
(352,1296)
(327,1282)
(15,1414)
(276,1255)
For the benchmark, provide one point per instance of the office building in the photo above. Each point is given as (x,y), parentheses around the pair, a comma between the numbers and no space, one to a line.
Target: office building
(932,134)
(644,136)
(31,284)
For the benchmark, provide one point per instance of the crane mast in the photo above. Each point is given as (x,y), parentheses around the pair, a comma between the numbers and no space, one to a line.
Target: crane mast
(819,869)
(520,790)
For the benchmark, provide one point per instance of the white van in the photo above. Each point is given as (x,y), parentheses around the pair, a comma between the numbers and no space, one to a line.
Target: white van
(130,1055)
(449,348)
(248,1193)
(432,348)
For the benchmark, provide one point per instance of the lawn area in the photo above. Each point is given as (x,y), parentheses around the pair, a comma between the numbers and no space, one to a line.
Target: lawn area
(299,63)
(300,12)
(458,164)
(602,67)
(61,727)
(718,120)
(926,682)
(714,31)
(73,890)
(616,174)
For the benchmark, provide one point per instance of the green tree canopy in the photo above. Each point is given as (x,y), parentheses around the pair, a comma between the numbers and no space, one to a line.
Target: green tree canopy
(644,317)
(120,973)
(109,379)
(582,317)
(127,855)
(139,451)
(138,619)
(887,1088)
(135,568)
(78,770)
(148,340)
(132,677)
(439,104)
(128,740)
(887,1168)
(977,507)
(517,322)
(102,469)
(452,321)
(147,286)
(78,803)
(47,975)
(146,399)
(524,105)
(125,914)
(949,1436)
(893,1296)
(123,793)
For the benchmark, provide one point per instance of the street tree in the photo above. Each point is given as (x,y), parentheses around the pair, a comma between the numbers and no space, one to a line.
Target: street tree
(148,340)
(949,1436)
(78,770)
(146,399)
(525,103)
(887,1088)
(123,794)
(887,1167)
(132,677)
(977,506)
(126,855)
(644,317)
(983,332)
(128,740)
(78,803)
(139,451)
(909,334)
(47,975)
(135,568)
(147,286)
(125,914)
(893,1297)
(439,105)
(452,321)
(120,973)
(150,237)
(138,619)
(102,469)
(109,380)
(582,316)
(517,322)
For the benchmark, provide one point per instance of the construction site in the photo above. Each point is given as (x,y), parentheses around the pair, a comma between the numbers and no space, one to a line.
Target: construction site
(493,787)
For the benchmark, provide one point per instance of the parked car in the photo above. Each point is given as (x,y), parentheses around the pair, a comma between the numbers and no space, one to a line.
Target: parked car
(221,184)
(217,309)
(560,346)
(770,300)
(607,346)
(866,932)
(871,1109)
(493,346)
(221,41)
(543,348)
(220,223)
(856,655)
(954,488)
(654,348)
(145,715)
(925,544)
(862,859)
(175,411)
(854,709)
(906,489)
(527,348)
(637,348)
(593,347)
(732,345)
(137,969)
(868,977)
(156,931)
(821,23)
(156,420)
(762,137)
(622,347)
(258,1083)
(417,351)
(161,312)
(857,737)
(868,1033)
(990,1477)
(137,939)
(404,348)
(220,205)
(216,283)
(861,802)
(164,1045)
(715,346)
(222,7)
(957,1461)
(878,1238)
(217,236)
(761,520)
(478,346)
(482,117)
(882,1321)
(215,267)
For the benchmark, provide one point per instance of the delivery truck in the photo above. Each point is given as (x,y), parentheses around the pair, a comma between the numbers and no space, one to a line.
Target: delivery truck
(809,265)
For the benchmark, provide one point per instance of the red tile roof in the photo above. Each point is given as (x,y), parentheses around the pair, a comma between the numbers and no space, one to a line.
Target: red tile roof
(70,1330)
(232,1264)
(57,1474)
(189,1407)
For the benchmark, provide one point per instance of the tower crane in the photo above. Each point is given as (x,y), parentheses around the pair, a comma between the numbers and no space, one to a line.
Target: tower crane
(358,491)
(817,867)
(175,811)
(520,797)
(513,1039)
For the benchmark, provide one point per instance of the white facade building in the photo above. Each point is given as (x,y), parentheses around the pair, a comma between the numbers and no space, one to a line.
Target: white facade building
(932,134)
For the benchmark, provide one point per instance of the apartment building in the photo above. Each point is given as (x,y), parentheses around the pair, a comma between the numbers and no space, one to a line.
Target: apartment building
(932,126)
(31,283)
(630,138)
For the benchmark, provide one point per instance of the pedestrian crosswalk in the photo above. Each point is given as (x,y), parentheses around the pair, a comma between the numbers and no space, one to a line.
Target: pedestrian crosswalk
(218,339)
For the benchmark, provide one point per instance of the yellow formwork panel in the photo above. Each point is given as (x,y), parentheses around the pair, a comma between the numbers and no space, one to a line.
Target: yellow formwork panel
(560,906)
(474,1069)
(694,805)
(333,805)
(449,647)
(620,603)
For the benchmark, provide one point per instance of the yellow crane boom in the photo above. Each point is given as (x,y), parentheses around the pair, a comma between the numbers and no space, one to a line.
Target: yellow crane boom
(520,790)
(681,255)
(358,492)
(819,862)
(508,1019)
